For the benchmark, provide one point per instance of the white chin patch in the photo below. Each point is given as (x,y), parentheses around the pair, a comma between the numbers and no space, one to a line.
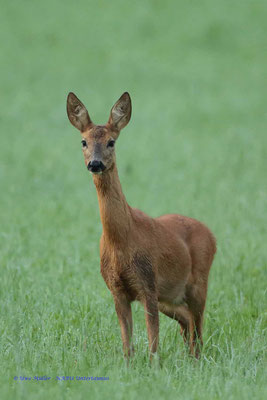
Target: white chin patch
(96,173)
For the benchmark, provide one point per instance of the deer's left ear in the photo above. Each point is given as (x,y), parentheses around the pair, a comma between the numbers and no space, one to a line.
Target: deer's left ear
(121,112)
(77,113)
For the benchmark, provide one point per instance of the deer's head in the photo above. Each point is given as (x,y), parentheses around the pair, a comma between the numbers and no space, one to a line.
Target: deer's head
(98,141)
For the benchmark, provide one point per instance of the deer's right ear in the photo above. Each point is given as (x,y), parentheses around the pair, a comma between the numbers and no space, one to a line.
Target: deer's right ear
(77,113)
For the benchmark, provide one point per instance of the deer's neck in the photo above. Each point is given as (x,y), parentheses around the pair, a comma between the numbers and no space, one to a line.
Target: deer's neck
(114,210)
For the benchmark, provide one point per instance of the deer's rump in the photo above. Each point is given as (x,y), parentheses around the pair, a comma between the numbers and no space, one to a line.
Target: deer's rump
(187,248)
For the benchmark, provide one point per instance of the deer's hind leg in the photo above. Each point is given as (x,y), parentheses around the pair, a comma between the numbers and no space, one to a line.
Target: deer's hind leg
(196,300)
(183,315)
(202,255)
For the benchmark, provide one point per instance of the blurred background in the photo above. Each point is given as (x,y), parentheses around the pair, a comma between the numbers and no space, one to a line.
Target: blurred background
(196,145)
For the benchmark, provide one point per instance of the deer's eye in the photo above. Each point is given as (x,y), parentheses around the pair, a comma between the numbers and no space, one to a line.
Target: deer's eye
(84,144)
(111,143)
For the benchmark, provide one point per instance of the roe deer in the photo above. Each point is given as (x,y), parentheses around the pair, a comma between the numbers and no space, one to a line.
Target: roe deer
(163,262)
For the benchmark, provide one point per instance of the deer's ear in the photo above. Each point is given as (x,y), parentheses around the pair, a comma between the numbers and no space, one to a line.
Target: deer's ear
(121,112)
(77,113)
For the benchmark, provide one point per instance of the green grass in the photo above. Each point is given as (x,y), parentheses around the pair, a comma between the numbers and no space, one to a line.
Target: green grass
(196,145)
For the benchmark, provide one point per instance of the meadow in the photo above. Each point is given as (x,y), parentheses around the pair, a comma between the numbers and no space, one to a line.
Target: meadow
(196,145)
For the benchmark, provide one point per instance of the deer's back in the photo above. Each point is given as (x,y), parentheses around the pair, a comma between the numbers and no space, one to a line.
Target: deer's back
(172,231)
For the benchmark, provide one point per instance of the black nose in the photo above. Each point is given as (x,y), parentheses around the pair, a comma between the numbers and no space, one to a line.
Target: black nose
(96,166)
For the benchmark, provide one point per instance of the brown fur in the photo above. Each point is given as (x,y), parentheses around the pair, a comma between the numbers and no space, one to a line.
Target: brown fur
(162,262)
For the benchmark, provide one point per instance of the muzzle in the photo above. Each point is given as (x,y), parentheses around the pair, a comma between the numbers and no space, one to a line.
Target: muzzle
(96,166)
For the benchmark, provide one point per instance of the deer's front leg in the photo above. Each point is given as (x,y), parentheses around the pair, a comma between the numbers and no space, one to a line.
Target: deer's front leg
(124,313)
(152,322)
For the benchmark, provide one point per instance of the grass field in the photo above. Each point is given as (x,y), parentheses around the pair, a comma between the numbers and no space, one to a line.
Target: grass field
(196,145)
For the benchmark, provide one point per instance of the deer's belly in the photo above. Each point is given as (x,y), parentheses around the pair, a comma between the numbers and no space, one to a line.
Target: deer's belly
(171,292)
